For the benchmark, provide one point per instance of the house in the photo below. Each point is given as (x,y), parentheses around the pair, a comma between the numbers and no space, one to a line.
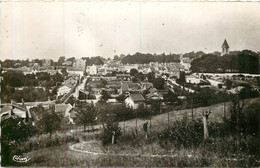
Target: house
(84,94)
(123,77)
(71,80)
(185,62)
(152,90)
(68,111)
(64,89)
(216,83)
(193,80)
(135,100)
(16,110)
(235,90)
(128,67)
(67,63)
(5,112)
(124,88)
(174,73)
(79,74)
(134,87)
(114,85)
(46,62)
(154,96)
(92,70)
(146,85)
(80,64)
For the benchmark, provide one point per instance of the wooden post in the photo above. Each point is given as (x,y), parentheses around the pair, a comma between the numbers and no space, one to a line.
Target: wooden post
(205,115)
(113,137)
(192,109)
(136,122)
(124,125)
(145,129)
(168,120)
(224,110)
(150,124)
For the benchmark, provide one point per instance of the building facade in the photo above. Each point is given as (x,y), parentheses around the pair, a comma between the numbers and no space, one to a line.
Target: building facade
(80,64)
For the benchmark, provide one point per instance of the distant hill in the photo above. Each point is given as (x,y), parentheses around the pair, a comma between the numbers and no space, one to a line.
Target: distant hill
(245,61)
(140,58)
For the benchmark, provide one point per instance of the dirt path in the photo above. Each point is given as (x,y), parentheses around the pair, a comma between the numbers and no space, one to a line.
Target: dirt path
(101,152)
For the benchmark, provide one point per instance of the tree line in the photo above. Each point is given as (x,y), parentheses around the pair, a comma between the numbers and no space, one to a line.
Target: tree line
(141,58)
(245,61)
(14,79)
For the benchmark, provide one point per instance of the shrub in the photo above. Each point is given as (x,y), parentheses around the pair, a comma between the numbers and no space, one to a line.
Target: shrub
(48,140)
(182,134)
(110,127)
(253,119)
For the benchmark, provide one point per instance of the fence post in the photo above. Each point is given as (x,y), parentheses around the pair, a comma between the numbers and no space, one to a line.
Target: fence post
(192,109)
(124,125)
(136,122)
(150,123)
(224,110)
(205,115)
(113,137)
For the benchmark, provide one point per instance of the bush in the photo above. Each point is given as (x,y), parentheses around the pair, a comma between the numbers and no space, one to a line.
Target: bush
(109,128)
(47,140)
(253,119)
(182,133)
(14,132)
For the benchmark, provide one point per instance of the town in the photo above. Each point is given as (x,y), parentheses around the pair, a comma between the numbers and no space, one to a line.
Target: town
(129,84)
(91,91)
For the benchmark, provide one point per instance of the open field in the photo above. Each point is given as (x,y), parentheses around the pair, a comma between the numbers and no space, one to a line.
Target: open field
(161,120)
(217,152)
(63,156)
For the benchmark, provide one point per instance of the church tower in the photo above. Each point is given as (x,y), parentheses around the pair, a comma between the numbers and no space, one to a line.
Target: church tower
(225,48)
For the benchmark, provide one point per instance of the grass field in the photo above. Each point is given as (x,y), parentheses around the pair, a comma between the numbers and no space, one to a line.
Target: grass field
(63,156)
(161,120)
(217,152)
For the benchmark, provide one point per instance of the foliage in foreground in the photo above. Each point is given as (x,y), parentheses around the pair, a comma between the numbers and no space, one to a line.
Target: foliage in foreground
(110,128)
(231,147)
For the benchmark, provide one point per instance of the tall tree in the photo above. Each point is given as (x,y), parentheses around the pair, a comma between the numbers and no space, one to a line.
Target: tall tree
(86,114)
(61,60)
(237,115)
(133,72)
(50,121)
(104,96)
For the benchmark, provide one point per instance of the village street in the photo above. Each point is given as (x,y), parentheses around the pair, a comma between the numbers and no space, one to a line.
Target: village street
(79,87)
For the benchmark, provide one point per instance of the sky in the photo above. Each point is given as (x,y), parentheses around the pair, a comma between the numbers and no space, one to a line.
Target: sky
(48,30)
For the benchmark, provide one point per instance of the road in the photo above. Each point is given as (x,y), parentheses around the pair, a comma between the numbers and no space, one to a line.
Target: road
(80,86)
(172,82)
(31,103)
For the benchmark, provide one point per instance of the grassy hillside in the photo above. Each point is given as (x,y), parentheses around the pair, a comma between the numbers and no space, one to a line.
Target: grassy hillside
(181,145)
(217,114)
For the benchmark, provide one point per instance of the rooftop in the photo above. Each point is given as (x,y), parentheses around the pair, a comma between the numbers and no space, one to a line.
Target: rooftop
(225,44)
(137,97)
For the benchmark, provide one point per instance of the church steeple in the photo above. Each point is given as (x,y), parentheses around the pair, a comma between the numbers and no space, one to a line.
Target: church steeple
(225,48)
